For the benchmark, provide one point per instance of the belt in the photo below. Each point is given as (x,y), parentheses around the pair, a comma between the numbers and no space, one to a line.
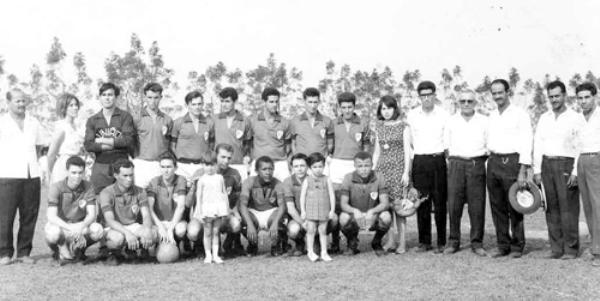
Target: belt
(189,161)
(431,155)
(492,154)
(468,158)
(590,154)
(557,158)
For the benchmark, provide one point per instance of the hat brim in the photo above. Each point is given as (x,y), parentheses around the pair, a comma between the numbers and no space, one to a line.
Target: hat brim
(533,189)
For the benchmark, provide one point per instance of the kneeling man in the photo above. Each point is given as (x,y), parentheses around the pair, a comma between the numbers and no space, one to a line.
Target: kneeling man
(71,214)
(262,207)
(364,200)
(123,204)
(166,198)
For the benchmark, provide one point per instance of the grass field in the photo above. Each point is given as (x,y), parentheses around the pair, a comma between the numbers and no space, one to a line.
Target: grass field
(462,276)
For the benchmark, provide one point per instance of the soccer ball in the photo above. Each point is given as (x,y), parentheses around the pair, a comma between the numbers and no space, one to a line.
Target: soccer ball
(167,253)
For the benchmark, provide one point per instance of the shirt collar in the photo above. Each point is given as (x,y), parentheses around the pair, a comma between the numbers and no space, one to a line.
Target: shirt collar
(261,117)
(188,118)
(318,116)
(118,191)
(173,181)
(355,119)
(237,114)
(159,113)
(296,181)
(358,179)
(80,188)
(116,112)
(260,183)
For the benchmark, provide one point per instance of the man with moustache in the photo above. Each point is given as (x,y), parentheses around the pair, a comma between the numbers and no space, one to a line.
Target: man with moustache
(588,165)
(466,137)
(555,158)
(510,142)
(429,165)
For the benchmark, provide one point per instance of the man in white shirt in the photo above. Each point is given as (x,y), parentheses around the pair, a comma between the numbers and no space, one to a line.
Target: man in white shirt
(465,135)
(510,145)
(19,177)
(555,153)
(588,165)
(429,165)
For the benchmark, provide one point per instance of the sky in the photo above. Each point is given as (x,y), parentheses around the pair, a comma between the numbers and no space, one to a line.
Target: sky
(484,37)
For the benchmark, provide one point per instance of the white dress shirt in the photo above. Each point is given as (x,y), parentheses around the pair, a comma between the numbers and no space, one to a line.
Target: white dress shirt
(557,136)
(589,136)
(510,132)
(18,156)
(466,138)
(427,130)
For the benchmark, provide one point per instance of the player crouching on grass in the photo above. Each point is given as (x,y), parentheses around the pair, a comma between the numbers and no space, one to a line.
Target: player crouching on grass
(365,204)
(71,214)
(166,199)
(123,204)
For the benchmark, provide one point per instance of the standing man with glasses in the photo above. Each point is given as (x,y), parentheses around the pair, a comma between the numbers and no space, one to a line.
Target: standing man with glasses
(429,165)
(588,165)
(510,145)
(466,137)
(555,158)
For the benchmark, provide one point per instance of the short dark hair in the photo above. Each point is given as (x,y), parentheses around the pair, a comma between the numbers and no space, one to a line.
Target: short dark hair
(390,102)
(269,92)
(346,97)
(299,156)
(263,159)
(109,86)
(209,158)
(9,94)
(363,156)
(503,82)
(168,156)
(587,86)
(311,92)
(75,161)
(121,163)
(225,147)
(192,95)
(425,85)
(556,84)
(62,103)
(154,87)
(229,92)
(315,158)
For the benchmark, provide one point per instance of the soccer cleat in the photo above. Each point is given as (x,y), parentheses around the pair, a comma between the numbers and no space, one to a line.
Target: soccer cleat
(499,253)
(423,248)
(450,250)
(479,252)
(516,254)
(312,256)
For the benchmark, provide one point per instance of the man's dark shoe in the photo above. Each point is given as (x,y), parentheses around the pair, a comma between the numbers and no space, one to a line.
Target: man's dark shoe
(276,250)
(376,246)
(350,252)
(516,254)
(252,250)
(352,247)
(423,248)
(568,256)
(450,250)
(103,253)
(113,260)
(438,250)
(596,261)
(499,253)
(553,255)
(335,248)
(479,252)
(25,260)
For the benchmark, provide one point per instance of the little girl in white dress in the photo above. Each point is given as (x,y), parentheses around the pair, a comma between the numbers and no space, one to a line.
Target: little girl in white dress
(211,205)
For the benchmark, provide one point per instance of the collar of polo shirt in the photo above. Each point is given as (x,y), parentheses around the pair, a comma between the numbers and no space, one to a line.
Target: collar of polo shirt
(355,119)
(369,179)
(116,112)
(260,183)
(159,113)
(318,116)
(118,191)
(261,117)
(79,188)
(172,182)
(188,118)
(296,181)
(237,114)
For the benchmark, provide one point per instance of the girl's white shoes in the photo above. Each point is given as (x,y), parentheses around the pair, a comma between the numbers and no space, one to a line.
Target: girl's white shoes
(314,257)
(210,259)
(325,257)
(217,260)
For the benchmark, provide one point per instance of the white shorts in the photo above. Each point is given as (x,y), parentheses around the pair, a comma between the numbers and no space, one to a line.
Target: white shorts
(262,217)
(187,170)
(133,228)
(145,171)
(242,169)
(281,172)
(339,168)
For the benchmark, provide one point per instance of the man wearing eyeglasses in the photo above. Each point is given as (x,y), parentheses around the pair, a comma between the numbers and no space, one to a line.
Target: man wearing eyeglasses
(465,136)
(510,145)
(429,165)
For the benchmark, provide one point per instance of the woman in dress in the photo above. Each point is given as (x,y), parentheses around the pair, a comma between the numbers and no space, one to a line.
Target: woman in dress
(391,158)
(68,137)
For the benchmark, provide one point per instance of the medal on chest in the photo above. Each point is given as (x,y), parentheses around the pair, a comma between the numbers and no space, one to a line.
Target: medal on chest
(135,209)
(279,134)
(357,137)
(374,195)
(239,134)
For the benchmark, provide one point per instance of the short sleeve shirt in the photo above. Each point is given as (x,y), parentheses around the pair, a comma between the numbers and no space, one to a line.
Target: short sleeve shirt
(350,141)
(309,138)
(260,195)
(71,203)
(269,139)
(364,193)
(125,205)
(292,187)
(153,135)
(164,205)
(192,144)
(234,135)
(233,185)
